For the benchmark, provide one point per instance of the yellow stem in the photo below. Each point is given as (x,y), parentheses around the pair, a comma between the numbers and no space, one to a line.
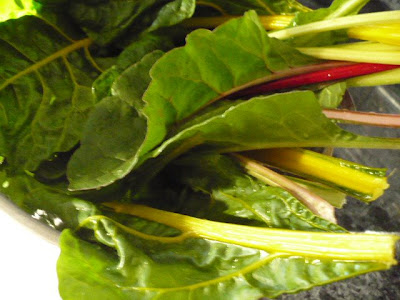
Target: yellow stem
(343,246)
(386,33)
(326,168)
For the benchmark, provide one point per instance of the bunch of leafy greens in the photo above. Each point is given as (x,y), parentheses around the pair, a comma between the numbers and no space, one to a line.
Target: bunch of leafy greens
(98,117)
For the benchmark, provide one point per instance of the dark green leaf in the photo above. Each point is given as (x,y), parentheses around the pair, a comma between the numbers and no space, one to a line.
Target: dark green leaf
(262,7)
(128,57)
(105,21)
(112,119)
(50,204)
(272,122)
(188,78)
(133,82)
(45,91)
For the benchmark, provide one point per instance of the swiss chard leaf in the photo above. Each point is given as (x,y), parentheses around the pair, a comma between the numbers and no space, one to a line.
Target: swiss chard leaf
(211,65)
(45,90)
(128,57)
(244,196)
(133,82)
(53,205)
(126,266)
(263,7)
(105,21)
(116,118)
(331,96)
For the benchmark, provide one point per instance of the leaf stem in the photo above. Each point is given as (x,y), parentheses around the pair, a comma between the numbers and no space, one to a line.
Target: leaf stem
(381,78)
(316,204)
(61,53)
(354,55)
(343,246)
(385,33)
(357,180)
(273,22)
(338,23)
(363,118)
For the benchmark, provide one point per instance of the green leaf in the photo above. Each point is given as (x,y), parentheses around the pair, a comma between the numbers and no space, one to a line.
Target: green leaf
(106,21)
(338,8)
(112,119)
(246,197)
(133,82)
(273,121)
(262,7)
(183,268)
(211,65)
(132,54)
(332,95)
(14,9)
(45,91)
(53,205)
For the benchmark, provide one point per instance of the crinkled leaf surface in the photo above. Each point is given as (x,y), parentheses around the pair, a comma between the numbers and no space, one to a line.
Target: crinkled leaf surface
(105,21)
(244,196)
(45,91)
(262,7)
(173,268)
(50,204)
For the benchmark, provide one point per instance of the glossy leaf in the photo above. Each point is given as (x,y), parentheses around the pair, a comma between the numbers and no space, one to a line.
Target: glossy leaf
(133,82)
(112,119)
(53,205)
(272,122)
(184,268)
(211,65)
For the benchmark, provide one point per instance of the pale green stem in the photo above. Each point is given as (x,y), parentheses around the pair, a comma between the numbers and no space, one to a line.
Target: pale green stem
(344,54)
(381,78)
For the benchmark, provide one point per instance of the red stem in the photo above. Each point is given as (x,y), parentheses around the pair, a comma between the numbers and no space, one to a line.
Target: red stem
(336,73)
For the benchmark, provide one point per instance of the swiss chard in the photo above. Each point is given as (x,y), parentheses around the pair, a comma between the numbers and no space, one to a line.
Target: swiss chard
(45,90)
(207,259)
(106,21)
(87,91)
